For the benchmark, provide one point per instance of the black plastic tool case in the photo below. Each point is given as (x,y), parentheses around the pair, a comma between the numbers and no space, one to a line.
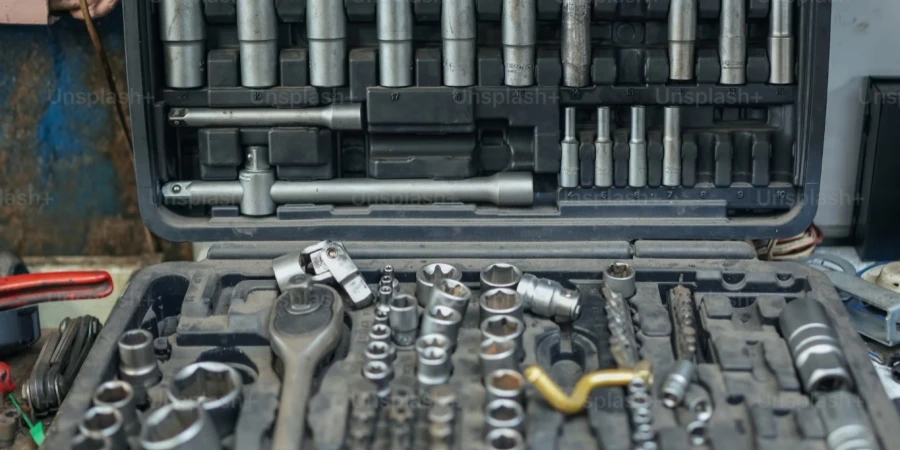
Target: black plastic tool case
(221,305)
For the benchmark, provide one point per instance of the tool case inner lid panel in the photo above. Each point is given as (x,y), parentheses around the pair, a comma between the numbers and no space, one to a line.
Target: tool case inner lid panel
(347,161)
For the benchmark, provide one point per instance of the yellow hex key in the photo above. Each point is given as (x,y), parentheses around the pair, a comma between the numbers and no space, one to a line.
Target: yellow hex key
(575,403)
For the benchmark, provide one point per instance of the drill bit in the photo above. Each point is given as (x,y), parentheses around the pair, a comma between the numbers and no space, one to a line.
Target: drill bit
(519,30)
(672,146)
(258,36)
(568,171)
(603,147)
(682,37)
(781,42)
(576,42)
(326,30)
(637,157)
(733,42)
(458,30)
(395,45)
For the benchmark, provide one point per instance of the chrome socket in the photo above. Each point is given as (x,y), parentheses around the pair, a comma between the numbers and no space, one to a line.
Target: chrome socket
(381,351)
(569,168)
(642,416)
(102,422)
(119,394)
(501,302)
(846,423)
(643,433)
(404,319)
(637,148)
(326,31)
(504,413)
(380,332)
(548,298)
(257,26)
(137,361)
(179,426)
(428,275)
(603,148)
(458,33)
(696,431)
(395,42)
(677,382)
(434,340)
(620,278)
(433,366)
(818,357)
(380,374)
(733,42)
(504,328)
(382,313)
(519,36)
(500,275)
(442,414)
(82,442)
(385,294)
(498,355)
(216,387)
(505,384)
(442,320)
(9,427)
(451,293)
(505,439)
(699,402)
(182,29)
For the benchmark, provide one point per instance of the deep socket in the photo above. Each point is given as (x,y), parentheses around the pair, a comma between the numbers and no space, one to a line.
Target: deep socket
(519,35)
(682,39)
(257,26)
(733,42)
(339,117)
(104,421)
(621,279)
(137,361)
(434,340)
(395,43)
(452,294)
(430,274)
(501,302)
(576,42)
(403,319)
(568,168)
(441,320)
(326,32)
(506,384)
(637,146)
(809,332)
(216,386)
(433,366)
(179,426)
(497,355)
(671,146)
(500,275)
(381,351)
(380,374)
(548,298)
(182,29)
(603,148)
(120,395)
(677,382)
(504,413)
(459,31)
(504,328)
(781,42)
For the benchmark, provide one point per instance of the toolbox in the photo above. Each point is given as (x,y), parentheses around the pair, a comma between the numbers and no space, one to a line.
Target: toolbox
(516,223)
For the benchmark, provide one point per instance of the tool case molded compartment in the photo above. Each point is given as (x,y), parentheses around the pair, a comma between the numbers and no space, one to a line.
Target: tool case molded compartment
(751,153)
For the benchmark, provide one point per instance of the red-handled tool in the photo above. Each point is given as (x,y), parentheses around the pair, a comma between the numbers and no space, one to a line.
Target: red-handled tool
(17,291)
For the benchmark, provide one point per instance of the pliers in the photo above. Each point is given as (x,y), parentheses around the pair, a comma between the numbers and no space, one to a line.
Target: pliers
(18,291)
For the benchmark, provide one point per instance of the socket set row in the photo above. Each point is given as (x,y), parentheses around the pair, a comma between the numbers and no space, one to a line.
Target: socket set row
(340,353)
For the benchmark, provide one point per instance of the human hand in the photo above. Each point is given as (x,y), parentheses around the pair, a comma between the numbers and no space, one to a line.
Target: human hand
(97,8)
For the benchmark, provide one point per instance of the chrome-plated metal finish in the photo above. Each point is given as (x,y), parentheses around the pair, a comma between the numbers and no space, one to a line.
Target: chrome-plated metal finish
(380,332)
(576,42)
(381,351)
(682,39)
(9,427)
(404,319)
(603,147)
(846,422)
(329,260)
(433,366)
(179,426)
(452,294)
(641,416)
(681,309)
(519,30)
(677,382)
(326,32)
(257,26)
(256,180)
(500,275)
(440,413)
(672,146)
(504,439)
(568,169)
(505,384)
(498,355)
(120,395)
(182,30)
(104,422)
(818,356)
(733,42)
(458,32)
(781,42)
(443,395)
(699,402)
(395,43)
(622,341)
(637,148)
(621,278)
(548,298)
(338,117)
(504,413)
(382,313)
(442,320)
(215,386)
(642,433)
(504,328)
(385,293)
(429,275)
(697,433)
(434,341)
(137,361)
(501,302)
(380,374)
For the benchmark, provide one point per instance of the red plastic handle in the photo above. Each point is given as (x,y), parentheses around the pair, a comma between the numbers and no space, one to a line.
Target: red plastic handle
(30,289)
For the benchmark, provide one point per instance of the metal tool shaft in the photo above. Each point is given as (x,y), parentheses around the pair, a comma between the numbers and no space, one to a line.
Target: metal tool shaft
(182,29)
(257,26)
(395,43)
(682,37)
(326,31)
(603,148)
(576,42)
(637,158)
(519,30)
(458,30)
(568,169)
(340,117)
(781,42)
(733,42)
(672,146)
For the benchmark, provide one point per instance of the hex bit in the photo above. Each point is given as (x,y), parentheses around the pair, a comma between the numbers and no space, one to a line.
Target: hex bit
(637,145)
(339,117)
(603,148)
(519,30)
(326,32)
(733,42)
(781,42)
(568,169)
(395,43)
(459,31)
(682,39)
(182,29)
(257,26)
(671,146)
(576,42)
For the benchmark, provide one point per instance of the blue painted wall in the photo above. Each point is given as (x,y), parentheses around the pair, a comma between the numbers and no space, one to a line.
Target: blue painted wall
(66,176)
